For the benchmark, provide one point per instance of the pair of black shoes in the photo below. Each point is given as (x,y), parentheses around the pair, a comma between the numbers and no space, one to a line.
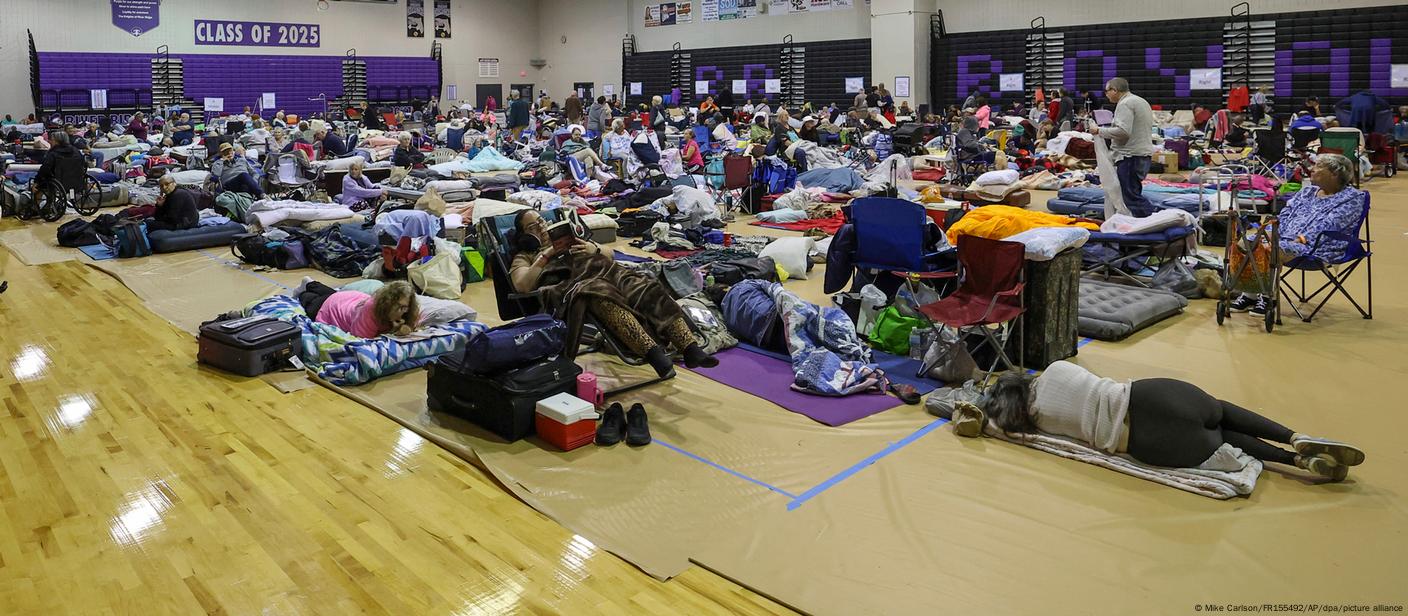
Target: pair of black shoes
(694,357)
(617,424)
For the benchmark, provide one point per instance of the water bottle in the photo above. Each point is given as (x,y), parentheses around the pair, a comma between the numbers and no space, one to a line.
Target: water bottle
(916,350)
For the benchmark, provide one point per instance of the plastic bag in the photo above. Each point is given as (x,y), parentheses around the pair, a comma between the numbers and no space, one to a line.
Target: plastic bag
(945,356)
(943,399)
(872,299)
(1174,276)
(891,332)
(437,277)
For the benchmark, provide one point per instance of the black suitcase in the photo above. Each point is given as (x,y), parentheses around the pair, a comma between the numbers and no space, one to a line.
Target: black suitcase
(504,403)
(250,346)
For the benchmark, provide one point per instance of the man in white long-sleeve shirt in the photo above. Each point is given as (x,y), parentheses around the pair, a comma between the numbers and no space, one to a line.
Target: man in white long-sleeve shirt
(1132,143)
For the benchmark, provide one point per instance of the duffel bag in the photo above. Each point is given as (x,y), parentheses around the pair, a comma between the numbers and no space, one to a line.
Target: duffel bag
(515,344)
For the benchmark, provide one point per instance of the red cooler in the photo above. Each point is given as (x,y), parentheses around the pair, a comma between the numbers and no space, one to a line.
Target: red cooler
(566,421)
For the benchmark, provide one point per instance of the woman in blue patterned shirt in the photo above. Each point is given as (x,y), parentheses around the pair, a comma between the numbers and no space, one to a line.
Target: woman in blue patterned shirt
(1329,204)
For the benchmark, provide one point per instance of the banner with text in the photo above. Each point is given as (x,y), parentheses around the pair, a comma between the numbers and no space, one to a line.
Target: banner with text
(257,34)
(136,17)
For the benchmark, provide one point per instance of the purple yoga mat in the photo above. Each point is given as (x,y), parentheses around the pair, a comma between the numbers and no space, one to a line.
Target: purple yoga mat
(771,379)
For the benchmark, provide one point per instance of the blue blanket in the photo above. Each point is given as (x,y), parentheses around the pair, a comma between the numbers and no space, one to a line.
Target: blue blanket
(841,180)
(344,359)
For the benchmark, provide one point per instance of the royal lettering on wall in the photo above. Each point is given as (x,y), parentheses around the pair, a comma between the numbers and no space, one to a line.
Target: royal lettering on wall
(136,17)
(257,34)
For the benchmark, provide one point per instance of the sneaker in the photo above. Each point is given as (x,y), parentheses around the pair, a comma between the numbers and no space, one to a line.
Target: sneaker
(1243,303)
(1343,453)
(1260,307)
(637,426)
(612,427)
(1324,466)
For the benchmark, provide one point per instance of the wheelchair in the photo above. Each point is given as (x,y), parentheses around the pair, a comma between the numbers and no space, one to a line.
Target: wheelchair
(70,186)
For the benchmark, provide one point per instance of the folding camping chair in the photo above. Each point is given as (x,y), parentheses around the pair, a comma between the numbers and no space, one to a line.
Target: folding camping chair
(890,237)
(991,280)
(1337,271)
(1346,141)
(593,337)
(289,174)
(1270,152)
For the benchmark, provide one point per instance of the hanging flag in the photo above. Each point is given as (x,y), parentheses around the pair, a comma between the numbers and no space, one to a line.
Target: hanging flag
(442,19)
(415,18)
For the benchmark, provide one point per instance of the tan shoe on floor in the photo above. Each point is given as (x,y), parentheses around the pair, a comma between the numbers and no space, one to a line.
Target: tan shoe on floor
(1324,466)
(968,420)
(1343,453)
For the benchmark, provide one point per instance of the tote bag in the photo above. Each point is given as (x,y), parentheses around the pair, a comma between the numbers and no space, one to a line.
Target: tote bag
(438,276)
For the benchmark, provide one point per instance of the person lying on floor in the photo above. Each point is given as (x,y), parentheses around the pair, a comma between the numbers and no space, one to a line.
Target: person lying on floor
(634,306)
(234,172)
(1328,204)
(359,192)
(1159,422)
(391,309)
(176,208)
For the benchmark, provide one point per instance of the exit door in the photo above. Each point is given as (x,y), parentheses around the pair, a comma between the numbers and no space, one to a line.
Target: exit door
(584,90)
(483,91)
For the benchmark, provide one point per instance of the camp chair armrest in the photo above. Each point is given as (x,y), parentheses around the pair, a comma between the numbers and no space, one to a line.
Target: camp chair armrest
(924,275)
(1334,235)
(1012,291)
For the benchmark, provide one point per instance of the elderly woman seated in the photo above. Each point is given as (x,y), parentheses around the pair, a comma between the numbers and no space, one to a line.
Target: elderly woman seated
(406,154)
(631,304)
(358,190)
(577,147)
(970,149)
(1328,204)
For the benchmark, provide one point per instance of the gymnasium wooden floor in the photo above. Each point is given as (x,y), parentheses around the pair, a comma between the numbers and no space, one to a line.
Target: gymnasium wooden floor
(133,481)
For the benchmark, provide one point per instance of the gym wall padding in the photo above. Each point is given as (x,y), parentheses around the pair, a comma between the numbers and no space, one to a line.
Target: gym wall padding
(1330,54)
(828,64)
(81,72)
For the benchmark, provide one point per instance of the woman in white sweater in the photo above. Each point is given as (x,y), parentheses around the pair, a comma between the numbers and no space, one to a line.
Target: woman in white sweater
(1160,422)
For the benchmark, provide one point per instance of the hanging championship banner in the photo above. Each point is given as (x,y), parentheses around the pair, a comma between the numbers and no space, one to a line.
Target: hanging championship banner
(442,19)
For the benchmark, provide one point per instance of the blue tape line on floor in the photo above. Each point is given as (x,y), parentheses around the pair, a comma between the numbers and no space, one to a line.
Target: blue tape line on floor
(725,469)
(872,459)
(245,271)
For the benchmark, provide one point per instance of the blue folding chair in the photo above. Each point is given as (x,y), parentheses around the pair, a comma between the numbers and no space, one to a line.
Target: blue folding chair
(702,136)
(1357,240)
(890,237)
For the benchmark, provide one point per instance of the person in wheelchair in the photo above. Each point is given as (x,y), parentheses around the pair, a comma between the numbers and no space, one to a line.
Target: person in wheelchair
(63,162)
(970,149)
(634,306)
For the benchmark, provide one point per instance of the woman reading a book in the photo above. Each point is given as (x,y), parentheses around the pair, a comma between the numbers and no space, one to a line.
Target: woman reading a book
(575,275)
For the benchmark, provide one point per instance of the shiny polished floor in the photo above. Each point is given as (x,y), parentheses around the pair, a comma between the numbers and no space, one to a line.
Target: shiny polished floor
(134,482)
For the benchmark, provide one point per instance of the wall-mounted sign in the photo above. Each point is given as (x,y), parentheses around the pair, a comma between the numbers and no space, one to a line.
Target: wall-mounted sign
(1205,79)
(214,104)
(257,34)
(98,99)
(136,17)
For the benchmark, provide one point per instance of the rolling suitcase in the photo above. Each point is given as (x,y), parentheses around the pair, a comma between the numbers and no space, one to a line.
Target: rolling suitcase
(503,403)
(250,346)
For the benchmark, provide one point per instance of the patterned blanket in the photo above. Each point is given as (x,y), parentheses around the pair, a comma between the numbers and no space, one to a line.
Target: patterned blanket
(344,359)
(827,355)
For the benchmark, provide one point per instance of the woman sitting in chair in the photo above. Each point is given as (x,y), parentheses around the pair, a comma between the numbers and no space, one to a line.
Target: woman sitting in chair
(577,147)
(1159,422)
(970,149)
(1328,204)
(690,155)
(632,305)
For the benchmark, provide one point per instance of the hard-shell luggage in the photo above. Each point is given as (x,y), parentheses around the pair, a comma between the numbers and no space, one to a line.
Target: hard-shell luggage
(504,403)
(250,346)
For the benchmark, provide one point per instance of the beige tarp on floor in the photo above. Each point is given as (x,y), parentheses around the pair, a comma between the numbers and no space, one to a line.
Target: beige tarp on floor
(947,525)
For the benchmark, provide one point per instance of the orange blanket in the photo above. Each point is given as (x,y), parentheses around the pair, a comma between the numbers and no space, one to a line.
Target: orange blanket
(997,222)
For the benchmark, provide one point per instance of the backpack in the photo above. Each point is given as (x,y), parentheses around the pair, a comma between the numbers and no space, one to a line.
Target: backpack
(515,344)
(77,232)
(637,223)
(751,314)
(710,330)
(337,255)
(131,239)
(253,249)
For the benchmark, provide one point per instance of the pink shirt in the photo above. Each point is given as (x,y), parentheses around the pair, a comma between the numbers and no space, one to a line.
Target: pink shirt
(350,311)
(984,115)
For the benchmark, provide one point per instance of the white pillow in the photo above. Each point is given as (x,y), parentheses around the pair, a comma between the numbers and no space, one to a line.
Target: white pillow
(790,253)
(1006,176)
(1044,243)
(436,311)
(190,178)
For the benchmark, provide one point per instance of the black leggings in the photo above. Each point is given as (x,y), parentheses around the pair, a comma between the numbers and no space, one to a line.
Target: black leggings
(1173,423)
(313,296)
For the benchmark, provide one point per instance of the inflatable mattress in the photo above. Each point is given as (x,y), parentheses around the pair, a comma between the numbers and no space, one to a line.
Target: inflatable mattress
(1112,311)
(192,239)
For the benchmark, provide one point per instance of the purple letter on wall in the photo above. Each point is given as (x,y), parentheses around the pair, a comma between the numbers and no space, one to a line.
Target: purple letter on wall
(1337,68)
(1381,68)
(970,81)
(136,17)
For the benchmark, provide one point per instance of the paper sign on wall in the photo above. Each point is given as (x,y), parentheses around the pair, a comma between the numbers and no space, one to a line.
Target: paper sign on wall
(1398,76)
(1010,82)
(453,91)
(854,84)
(214,104)
(740,86)
(635,88)
(99,99)
(608,90)
(1205,79)
(772,86)
(902,87)
(701,88)
(267,100)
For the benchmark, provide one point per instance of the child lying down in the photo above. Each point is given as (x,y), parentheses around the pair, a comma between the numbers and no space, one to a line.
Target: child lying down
(1157,422)
(370,308)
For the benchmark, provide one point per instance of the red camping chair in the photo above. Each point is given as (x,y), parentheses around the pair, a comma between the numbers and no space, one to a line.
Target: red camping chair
(989,293)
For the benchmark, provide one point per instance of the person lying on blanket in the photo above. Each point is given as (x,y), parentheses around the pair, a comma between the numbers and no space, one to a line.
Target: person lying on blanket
(1159,422)
(391,310)
(625,301)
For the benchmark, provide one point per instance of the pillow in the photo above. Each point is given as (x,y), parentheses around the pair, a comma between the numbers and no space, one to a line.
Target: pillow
(1006,176)
(190,178)
(1044,243)
(436,311)
(367,286)
(599,221)
(790,254)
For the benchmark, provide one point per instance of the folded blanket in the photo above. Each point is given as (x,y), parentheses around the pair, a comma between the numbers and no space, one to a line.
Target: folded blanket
(1158,221)
(1227,473)
(269,212)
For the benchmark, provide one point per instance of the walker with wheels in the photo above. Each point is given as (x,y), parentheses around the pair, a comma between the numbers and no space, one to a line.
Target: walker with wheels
(1253,263)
